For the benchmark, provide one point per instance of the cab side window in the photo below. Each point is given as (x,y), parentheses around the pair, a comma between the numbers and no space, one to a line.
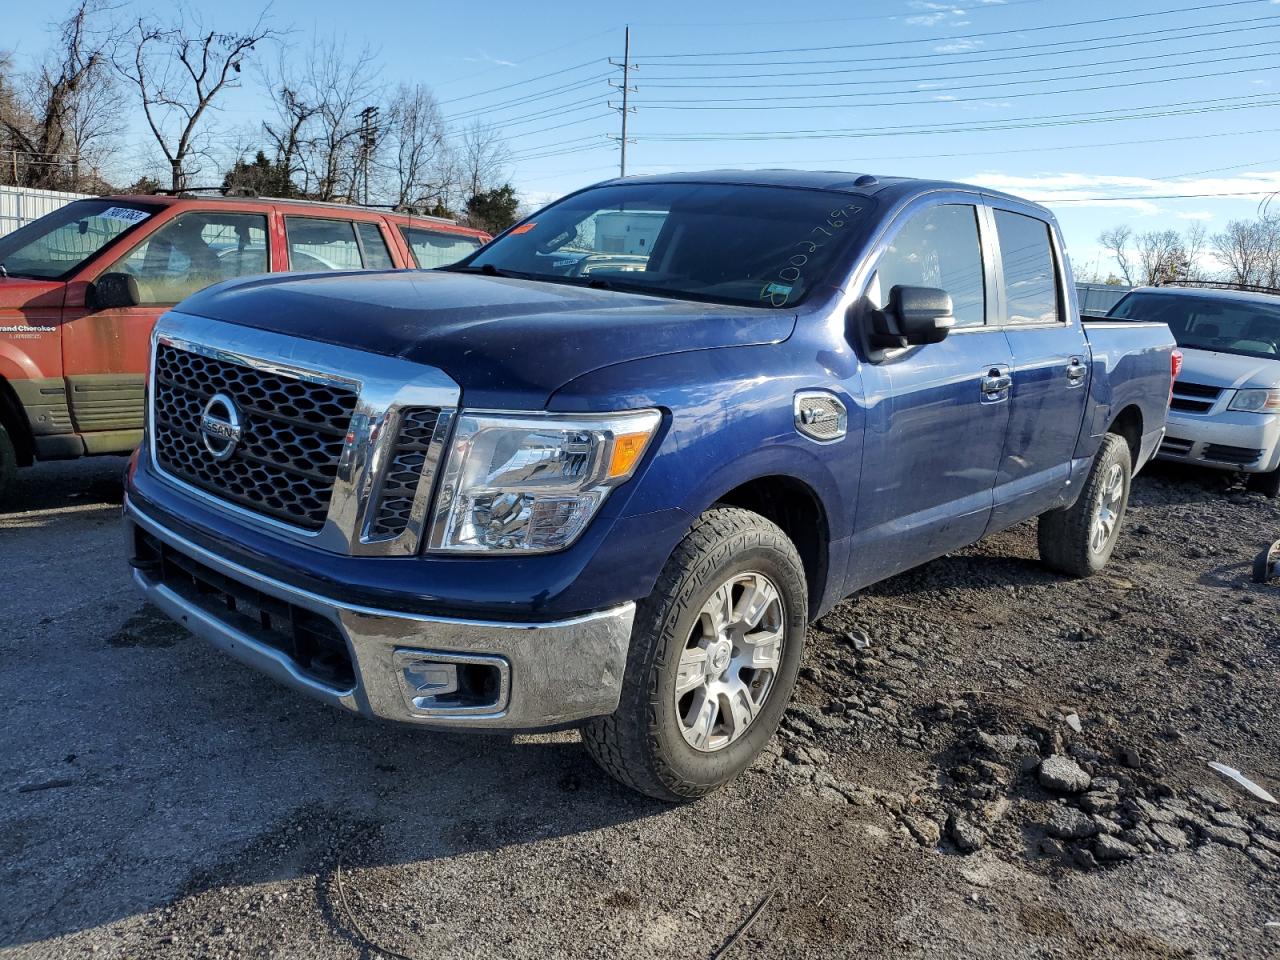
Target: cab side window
(435,248)
(193,251)
(376,254)
(1030,277)
(938,247)
(316,244)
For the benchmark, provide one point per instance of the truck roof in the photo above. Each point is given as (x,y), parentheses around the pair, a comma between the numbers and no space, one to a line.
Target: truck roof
(839,181)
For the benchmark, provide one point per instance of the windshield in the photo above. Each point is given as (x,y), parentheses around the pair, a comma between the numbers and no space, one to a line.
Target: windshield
(749,245)
(1247,327)
(55,245)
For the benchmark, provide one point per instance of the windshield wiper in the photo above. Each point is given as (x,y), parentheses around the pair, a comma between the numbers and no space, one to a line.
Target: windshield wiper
(488,269)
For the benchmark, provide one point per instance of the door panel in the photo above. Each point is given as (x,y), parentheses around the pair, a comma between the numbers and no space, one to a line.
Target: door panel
(936,414)
(1050,363)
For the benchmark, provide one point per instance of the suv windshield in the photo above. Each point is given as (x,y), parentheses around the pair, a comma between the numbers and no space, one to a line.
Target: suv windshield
(1247,327)
(56,244)
(751,245)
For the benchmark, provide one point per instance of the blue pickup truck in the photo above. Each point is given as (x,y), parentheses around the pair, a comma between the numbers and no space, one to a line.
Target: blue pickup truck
(603,472)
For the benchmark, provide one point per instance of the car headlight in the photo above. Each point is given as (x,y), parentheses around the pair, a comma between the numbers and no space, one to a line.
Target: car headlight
(1256,401)
(521,483)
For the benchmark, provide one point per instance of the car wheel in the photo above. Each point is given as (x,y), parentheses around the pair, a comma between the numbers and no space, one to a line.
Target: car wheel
(1265,483)
(1078,540)
(714,654)
(8,464)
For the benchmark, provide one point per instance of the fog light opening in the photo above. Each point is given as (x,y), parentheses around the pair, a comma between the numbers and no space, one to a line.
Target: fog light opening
(446,683)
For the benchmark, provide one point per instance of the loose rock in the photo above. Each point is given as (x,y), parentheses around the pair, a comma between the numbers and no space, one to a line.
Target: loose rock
(1063,775)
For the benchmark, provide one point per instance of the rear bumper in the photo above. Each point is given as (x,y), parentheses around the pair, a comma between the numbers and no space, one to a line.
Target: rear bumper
(545,674)
(1228,441)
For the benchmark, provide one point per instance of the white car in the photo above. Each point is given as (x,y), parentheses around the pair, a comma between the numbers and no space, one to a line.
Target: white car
(1225,410)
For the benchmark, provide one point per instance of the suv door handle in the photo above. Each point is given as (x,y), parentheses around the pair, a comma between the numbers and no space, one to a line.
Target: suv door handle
(996,382)
(1076,371)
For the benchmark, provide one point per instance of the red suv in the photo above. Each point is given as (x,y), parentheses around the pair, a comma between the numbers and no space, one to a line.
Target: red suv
(81,288)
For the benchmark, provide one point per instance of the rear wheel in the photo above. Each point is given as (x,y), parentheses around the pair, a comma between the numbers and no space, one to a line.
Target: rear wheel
(8,464)
(1078,539)
(714,654)
(1266,483)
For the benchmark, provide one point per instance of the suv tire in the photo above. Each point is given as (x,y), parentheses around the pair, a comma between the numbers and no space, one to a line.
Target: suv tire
(700,629)
(8,464)
(1265,483)
(1078,540)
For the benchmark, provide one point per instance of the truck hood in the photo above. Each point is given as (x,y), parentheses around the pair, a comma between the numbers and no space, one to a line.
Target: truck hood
(507,342)
(19,293)
(1215,369)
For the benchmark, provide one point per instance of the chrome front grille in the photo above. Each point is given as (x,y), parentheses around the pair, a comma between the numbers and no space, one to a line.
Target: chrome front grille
(292,433)
(411,465)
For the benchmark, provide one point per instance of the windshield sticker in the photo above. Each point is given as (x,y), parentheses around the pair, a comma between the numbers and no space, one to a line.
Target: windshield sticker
(126,214)
(778,292)
(523,228)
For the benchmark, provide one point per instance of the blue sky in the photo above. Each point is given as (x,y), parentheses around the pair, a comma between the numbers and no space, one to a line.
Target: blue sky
(1067,103)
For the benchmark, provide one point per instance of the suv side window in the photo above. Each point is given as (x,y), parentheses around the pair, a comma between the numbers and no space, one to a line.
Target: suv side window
(1030,277)
(316,244)
(436,248)
(376,254)
(938,247)
(193,251)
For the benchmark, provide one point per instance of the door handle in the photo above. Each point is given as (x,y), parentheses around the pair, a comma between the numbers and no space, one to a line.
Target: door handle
(1076,370)
(996,382)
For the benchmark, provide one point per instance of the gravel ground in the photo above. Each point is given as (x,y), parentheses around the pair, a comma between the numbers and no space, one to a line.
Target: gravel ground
(984,760)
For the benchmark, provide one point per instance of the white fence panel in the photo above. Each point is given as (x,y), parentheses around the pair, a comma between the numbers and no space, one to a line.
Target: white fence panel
(20,205)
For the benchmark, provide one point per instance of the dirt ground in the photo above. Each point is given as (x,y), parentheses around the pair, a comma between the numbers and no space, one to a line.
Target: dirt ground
(159,800)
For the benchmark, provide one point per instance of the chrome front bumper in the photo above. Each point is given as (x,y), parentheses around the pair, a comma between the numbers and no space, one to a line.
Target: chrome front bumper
(551,673)
(1198,439)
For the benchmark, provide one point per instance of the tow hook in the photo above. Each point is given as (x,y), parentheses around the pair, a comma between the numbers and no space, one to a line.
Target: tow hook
(1266,566)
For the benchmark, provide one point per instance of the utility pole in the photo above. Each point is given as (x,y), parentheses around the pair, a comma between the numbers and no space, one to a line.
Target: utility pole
(625,86)
(368,140)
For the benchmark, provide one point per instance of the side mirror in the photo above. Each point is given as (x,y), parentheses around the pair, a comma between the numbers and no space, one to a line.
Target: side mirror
(914,315)
(113,290)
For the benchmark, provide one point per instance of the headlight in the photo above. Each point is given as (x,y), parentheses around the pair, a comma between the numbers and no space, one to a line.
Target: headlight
(519,483)
(1256,401)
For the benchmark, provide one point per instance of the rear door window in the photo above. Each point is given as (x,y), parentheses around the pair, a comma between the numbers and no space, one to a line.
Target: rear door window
(938,247)
(1030,276)
(376,254)
(316,244)
(438,248)
(193,251)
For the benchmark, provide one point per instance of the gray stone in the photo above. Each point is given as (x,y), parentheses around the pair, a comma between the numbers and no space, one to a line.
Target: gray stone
(1068,823)
(965,834)
(1007,744)
(1063,775)
(1267,861)
(1170,835)
(926,831)
(1228,819)
(1073,721)
(1110,850)
(1131,757)
(1227,836)
(1053,847)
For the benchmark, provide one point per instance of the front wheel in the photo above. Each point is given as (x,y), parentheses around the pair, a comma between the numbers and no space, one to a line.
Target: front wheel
(1265,483)
(1078,540)
(714,655)
(8,464)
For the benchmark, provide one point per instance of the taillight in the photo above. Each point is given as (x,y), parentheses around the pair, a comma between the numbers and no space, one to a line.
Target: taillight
(1175,368)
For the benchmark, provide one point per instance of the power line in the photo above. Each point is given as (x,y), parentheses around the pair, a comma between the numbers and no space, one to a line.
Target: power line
(698,85)
(732,104)
(1010,123)
(964,57)
(533,56)
(520,83)
(964,36)
(1166,196)
(875,16)
(575,87)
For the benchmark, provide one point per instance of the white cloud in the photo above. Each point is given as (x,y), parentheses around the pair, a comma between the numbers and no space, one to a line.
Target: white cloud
(958,46)
(1104,190)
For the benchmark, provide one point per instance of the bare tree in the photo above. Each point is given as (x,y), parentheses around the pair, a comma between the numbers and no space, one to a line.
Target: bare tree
(57,118)
(1195,245)
(422,164)
(1162,256)
(483,158)
(1116,242)
(179,70)
(1241,248)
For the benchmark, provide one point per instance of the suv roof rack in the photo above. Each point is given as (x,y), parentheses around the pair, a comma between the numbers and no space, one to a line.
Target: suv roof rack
(248,193)
(1220,285)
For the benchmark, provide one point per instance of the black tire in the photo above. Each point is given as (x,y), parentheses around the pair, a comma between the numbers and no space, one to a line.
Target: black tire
(8,464)
(1265,483)
(641,744)
(1066,536)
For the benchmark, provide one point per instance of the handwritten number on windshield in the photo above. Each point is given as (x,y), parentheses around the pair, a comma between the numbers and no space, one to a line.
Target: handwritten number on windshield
(777,292)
